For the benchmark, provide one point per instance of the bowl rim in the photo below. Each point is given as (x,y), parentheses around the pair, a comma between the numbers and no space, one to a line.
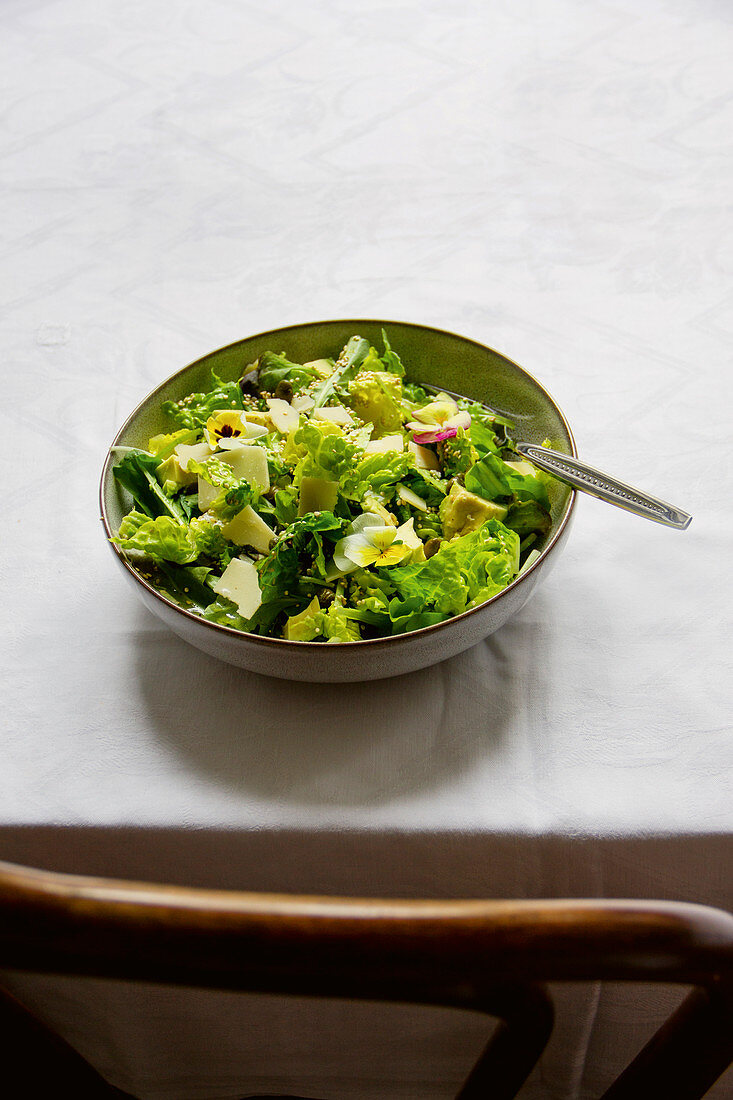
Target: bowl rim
(264,641)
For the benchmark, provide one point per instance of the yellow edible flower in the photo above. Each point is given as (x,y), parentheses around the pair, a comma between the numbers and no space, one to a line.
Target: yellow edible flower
(225,424)
(370,542)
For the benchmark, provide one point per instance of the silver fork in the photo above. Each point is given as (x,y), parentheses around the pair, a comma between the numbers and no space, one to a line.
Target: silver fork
(597,484)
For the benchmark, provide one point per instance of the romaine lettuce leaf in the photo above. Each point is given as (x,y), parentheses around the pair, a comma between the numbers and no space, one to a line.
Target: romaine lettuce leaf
(136,472)
(483,438)
(391,359)
(286,505)
(211,543)
(488,478)
(411,615)
(163,539)
(493,479)
(347,366)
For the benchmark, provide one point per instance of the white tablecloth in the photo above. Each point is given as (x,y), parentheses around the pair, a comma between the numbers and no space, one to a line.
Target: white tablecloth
(551,179)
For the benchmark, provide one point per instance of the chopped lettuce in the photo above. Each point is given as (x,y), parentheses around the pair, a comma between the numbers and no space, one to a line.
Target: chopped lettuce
(323,452)
(161,538)
(465,571)
(458,454)
(274,369)
(376,473)
(163,446)
(332,624)
(391,359)
(193,411)
(299,553)
(210,542)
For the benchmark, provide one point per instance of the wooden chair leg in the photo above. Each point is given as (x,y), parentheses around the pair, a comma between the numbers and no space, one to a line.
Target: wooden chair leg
(688,1053)
(43,1061)
(520,1036)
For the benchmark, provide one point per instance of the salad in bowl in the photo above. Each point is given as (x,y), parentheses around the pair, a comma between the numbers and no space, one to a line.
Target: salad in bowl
(329,501)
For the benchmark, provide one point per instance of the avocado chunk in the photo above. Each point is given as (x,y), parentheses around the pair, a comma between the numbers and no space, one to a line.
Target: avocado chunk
(305,626)
(172,470)
(462,511)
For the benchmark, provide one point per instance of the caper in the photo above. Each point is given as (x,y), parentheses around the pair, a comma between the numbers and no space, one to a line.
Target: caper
(284,390)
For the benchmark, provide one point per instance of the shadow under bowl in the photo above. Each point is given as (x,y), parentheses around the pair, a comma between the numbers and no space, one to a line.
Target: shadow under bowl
(431,356)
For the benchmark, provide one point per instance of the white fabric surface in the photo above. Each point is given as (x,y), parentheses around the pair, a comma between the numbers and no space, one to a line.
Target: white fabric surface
(551,179)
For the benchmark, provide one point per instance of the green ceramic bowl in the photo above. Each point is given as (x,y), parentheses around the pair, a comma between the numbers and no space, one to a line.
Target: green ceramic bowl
(430,356)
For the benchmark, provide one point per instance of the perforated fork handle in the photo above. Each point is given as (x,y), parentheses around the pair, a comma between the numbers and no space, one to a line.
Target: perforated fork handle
(597,484)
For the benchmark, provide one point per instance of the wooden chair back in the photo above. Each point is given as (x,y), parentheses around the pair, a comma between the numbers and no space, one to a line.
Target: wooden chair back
(494,957)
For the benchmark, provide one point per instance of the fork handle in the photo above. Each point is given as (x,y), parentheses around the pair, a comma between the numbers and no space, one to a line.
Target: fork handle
(597,484)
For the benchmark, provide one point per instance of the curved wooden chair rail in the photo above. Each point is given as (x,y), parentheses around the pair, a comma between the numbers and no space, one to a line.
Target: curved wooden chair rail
(487,956)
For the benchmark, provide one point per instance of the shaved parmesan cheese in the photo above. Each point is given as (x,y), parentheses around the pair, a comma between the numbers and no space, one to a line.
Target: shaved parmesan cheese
(240,584)
(522,467)
(248,462)
(198,451)
(285,418)
(407,496)
(386,443)
(302,402)
(424,458)
(249,529)
(207,494)
(337,414)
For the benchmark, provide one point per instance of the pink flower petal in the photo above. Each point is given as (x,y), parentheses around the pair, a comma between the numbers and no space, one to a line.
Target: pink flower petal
(436,436)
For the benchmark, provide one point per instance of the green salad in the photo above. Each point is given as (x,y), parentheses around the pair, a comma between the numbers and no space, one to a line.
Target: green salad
(330,501)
